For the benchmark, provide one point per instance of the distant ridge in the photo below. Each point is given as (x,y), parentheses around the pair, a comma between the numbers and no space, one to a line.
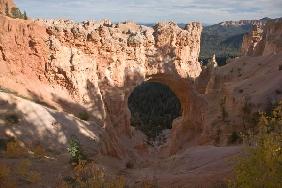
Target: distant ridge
(245,22)
(225,38)
(181,25)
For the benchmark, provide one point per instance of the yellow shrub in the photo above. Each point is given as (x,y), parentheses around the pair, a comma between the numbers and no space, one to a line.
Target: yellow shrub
(149,184)
(5,180)
(39,151)
(4,171)
(261,166)
(90,176)
(23,167)
(27,174)
(62,184)
(8,184)
(15,150)
(33,177)
(119,182)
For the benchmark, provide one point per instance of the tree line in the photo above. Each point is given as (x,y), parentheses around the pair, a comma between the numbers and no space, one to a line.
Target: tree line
(15,12)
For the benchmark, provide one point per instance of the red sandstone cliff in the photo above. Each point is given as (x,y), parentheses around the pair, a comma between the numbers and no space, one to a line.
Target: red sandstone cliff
(6,5)
(251,82)
(263,40)
(94,66)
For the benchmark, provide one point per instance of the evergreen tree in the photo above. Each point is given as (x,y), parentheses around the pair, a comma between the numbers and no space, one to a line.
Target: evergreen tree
(16,13)
(24,15)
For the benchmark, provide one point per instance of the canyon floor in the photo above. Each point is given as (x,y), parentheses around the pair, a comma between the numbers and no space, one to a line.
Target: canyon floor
(198,166)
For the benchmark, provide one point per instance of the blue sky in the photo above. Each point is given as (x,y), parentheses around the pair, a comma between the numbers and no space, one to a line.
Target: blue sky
(151,11)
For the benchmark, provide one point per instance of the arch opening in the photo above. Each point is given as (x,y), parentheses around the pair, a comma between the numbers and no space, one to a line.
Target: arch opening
(153,107)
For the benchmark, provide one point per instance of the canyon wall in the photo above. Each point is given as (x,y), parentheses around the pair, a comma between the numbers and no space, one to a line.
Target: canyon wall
(94,67)
(6,5)
(251,40)
(263,39)
(245,86)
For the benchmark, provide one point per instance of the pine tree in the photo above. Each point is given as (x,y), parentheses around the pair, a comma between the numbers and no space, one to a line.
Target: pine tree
(24,15)
(16,13)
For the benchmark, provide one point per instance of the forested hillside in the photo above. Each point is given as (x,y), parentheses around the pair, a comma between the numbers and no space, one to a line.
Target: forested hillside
(153,107)
(225,39)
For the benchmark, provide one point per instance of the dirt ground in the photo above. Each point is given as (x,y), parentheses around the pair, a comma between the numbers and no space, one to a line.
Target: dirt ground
(197,166)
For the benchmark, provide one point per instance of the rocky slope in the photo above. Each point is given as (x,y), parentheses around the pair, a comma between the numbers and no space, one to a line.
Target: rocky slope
(50,129)
(246,85)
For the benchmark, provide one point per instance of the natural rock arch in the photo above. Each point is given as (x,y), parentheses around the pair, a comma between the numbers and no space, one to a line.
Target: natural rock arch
(184,129)
(96,65)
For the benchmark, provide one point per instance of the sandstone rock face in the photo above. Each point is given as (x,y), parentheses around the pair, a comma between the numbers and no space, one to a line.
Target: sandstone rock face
(245,86)
(251,40)
(6,5)
(273,37)
(94,66)
(263,40)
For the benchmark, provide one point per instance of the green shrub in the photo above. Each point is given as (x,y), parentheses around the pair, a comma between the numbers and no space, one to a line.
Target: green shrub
(16,13)
(262,166)
(25,16)
(233,138)
(75,151)
(12,119)
(83,116)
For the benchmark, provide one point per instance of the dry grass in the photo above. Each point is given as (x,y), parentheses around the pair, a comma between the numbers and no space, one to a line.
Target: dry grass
(5,180)
(149,184)
(15,150)
(90,176)
(25,172)
(22,171)
(39,151)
